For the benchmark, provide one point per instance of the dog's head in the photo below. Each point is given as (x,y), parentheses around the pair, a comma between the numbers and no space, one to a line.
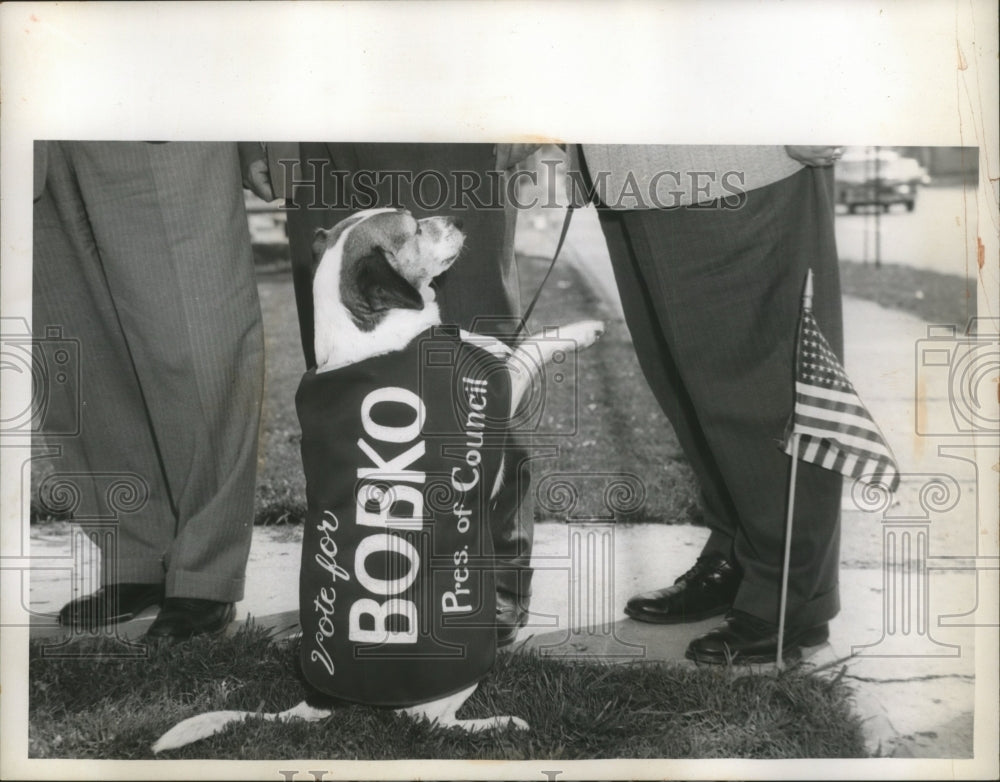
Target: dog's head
(385,260)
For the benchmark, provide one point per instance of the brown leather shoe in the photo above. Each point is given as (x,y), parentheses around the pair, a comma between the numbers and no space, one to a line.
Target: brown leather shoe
(744,639)
(183,617)
(110,605)
(707,589)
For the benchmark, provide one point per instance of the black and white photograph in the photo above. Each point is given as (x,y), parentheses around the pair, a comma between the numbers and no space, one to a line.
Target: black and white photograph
(500,390)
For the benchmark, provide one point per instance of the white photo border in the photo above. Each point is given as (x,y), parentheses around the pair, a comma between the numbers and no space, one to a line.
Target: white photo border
(723,71)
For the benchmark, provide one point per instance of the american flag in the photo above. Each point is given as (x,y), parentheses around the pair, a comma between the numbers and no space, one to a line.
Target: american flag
(836,430)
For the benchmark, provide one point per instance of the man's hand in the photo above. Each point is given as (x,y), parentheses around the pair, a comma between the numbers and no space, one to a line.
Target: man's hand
(815,156)
(253,164)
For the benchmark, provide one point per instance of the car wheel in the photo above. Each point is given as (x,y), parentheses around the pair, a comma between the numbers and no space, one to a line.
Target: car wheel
(910,205)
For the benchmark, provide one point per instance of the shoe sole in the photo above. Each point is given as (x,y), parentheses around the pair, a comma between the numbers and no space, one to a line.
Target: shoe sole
(175,638)
(792,652)
(110,621)
(656,619)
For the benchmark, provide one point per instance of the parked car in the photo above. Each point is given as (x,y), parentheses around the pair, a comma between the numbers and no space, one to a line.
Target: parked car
(878,179)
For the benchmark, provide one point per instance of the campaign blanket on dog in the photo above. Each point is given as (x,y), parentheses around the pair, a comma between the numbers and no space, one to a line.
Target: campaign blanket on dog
(396,594)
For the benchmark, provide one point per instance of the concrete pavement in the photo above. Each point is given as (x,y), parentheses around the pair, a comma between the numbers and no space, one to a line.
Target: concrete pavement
(918,581)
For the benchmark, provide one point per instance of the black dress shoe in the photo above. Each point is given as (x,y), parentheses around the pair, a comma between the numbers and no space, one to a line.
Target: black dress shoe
(707,589)
(512,614)
(183,617)
(744,638)
(109,605)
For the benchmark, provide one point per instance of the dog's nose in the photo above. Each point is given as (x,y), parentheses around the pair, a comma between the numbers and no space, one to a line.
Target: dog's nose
(457,222)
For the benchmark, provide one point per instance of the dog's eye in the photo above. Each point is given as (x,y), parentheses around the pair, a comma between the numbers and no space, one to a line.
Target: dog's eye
(419,229)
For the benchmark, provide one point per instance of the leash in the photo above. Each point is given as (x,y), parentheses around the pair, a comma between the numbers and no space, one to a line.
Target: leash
(555,256)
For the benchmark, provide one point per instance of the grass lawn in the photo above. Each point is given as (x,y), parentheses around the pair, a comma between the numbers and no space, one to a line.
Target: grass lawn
(96,705)
(940,299)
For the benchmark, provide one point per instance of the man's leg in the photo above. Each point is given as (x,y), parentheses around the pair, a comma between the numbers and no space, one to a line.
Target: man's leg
(112,462)
(728,290)
(709,587)
(660,370)
(170,223)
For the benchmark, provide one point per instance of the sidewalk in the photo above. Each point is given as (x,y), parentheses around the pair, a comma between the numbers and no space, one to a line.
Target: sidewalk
(905,635)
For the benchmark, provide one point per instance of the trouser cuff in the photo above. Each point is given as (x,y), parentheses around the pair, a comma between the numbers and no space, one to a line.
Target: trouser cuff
(189,584)
(764,603)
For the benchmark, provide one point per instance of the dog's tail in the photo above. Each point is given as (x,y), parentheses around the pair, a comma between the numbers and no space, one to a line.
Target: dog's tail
(212,722)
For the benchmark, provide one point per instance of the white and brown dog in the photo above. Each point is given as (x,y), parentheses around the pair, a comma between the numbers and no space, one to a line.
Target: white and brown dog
(373,296)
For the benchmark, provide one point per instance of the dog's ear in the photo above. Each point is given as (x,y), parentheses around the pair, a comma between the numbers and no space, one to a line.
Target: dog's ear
(382,287)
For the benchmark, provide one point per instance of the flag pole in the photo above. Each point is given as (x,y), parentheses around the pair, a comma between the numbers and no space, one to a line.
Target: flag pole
(807,297)
(779,662)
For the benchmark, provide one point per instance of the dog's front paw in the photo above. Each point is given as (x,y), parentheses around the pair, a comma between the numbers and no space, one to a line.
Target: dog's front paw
(489,344)
(584,332)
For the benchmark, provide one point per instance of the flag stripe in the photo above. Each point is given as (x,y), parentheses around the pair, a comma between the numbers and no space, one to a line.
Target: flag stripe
(830,394)
(816,396)
(877,449)
(853,424)
(833,412)
(848,434)
(815,448)
(827,455)
(840,460)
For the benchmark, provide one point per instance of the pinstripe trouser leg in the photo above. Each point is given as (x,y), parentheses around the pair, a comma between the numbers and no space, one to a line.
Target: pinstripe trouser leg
(712,299)
(142,252)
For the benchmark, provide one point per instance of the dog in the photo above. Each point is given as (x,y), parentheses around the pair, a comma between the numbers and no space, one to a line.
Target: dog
(373,296)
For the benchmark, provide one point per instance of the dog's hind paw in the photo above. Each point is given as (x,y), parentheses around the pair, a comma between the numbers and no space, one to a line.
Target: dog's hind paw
(197,728)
